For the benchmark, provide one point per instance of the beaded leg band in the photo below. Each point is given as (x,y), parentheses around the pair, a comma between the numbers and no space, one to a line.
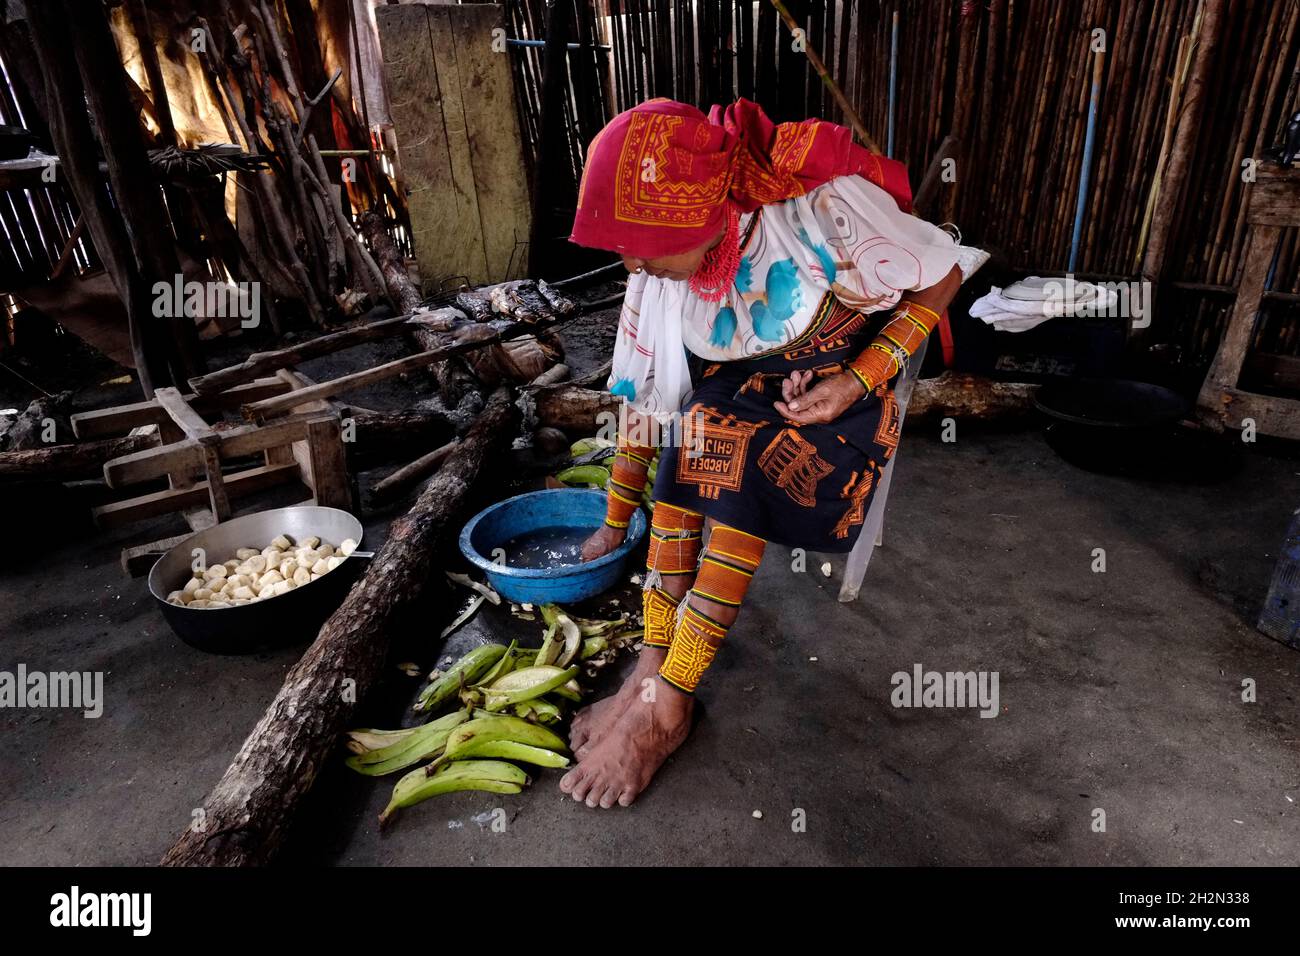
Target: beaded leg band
(728,566)
(674,552)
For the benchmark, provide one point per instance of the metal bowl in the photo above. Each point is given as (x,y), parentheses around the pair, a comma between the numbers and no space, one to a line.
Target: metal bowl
(290,618)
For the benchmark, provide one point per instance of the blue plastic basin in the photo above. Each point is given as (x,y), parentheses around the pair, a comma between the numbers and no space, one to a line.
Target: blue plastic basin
(552,508)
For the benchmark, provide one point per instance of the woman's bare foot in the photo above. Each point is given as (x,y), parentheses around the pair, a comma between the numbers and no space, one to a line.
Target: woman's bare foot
(594,721)
(621,765)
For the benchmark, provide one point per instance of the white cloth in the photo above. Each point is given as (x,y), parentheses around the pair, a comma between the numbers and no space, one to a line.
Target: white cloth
(1033,300)
(846,237)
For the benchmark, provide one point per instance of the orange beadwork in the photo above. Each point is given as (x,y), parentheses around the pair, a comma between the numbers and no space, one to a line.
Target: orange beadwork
(627,482)
(674,551)
(897,342)
(728,566)
(674,540)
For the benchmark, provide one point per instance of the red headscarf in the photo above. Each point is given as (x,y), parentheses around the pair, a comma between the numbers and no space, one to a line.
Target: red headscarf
(658,175)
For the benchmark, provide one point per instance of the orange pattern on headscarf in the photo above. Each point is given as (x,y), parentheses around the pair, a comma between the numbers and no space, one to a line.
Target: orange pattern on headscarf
(658,176)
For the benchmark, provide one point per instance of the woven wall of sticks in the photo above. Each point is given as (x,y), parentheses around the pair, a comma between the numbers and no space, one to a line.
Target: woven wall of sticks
(1011,79)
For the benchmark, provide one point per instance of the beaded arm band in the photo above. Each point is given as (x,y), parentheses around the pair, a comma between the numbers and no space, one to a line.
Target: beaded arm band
(626,482)
(897,342)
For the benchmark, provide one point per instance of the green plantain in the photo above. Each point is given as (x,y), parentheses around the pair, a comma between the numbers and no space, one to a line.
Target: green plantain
(465,671)
(530,682)
(424,742)
(493,776)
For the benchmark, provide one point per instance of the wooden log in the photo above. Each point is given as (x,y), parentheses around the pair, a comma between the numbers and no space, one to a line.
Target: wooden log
(30,430)
(572,408)
(71,462)
(264,363)
(483,337)
(248,812)
(969,396)
(408,475)
(387,434)
(405,296)
(552,376)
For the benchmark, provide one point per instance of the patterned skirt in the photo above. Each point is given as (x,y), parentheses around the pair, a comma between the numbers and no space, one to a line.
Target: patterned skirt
(735,459)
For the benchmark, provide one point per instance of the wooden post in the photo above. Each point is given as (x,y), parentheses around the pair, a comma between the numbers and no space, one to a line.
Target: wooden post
(1185,143)
(75,143)
(136,189)
(555,74)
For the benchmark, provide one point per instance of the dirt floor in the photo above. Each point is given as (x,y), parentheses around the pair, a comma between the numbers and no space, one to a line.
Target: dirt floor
(1119,691)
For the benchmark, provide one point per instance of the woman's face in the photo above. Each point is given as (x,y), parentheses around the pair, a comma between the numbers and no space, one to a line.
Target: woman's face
(680,267)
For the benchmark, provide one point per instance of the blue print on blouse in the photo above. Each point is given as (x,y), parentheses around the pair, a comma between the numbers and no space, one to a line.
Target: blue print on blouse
(724,328)
(624,387)
(744,274)
(826,259)
(784,299)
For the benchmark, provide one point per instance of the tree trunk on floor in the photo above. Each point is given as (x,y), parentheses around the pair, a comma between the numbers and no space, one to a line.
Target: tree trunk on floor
(574,409)
(72,462)
(246,816)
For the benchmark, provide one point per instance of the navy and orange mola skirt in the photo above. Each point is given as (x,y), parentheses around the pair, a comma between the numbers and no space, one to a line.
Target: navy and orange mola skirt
(735,459)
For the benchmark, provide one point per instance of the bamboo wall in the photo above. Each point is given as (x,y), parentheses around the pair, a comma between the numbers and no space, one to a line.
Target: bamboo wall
(1012,76)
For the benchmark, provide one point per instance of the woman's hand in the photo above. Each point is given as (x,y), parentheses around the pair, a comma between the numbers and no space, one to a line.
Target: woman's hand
(821,404)
(602,542)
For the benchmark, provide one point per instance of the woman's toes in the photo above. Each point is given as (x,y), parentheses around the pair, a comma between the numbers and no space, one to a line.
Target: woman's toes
(595,792)
(610,797)
(583,785)
(577,736)
(570,779)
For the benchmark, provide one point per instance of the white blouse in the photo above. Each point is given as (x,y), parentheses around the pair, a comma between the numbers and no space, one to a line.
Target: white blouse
(847,236)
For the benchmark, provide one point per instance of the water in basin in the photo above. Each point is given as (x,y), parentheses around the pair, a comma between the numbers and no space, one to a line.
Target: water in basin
(553,547)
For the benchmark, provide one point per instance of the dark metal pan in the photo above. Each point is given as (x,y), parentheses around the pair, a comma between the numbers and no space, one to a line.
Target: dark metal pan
(1110,403)
(290,618)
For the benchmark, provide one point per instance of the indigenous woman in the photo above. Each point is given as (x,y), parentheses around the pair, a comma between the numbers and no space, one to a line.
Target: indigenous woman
(786,258)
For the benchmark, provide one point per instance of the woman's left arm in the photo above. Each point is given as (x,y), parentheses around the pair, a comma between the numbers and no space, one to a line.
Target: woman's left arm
(880,361)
